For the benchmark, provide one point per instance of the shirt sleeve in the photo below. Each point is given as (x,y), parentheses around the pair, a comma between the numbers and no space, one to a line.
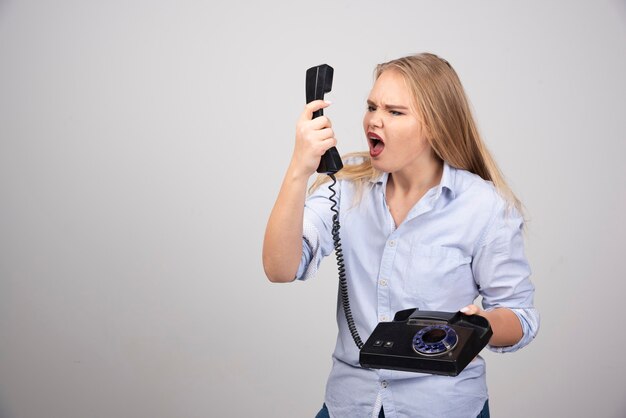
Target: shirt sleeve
(502,273)
(317,240)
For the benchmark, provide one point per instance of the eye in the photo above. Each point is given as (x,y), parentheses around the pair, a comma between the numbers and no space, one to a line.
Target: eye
(396,113)
(371,108)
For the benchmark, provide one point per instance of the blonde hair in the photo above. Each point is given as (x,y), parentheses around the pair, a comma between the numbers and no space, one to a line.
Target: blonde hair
(441,102)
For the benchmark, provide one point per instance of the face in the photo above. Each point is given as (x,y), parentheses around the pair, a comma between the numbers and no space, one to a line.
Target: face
(395,133)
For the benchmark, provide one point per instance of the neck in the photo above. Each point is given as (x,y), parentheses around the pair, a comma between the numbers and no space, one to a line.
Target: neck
(417,179)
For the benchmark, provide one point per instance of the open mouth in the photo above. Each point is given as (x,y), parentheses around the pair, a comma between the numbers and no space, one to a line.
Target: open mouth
(376,144)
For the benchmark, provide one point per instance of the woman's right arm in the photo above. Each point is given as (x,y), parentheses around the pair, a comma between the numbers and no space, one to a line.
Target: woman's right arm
(282,245)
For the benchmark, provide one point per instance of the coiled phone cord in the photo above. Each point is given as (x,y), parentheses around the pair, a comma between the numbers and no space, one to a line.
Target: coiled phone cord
(343,283)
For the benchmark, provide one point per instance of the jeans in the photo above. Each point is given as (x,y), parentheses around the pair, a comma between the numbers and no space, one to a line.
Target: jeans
(323,413)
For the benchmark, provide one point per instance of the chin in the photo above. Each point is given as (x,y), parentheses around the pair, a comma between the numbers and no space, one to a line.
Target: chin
(381,166)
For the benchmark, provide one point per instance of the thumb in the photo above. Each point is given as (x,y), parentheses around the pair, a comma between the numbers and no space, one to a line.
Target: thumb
(470,310)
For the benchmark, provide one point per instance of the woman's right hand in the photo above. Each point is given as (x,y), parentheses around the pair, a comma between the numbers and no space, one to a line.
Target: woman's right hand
(313,138)
(282,246)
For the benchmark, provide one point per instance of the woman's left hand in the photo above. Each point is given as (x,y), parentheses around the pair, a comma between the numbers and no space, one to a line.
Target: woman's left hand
(506,327)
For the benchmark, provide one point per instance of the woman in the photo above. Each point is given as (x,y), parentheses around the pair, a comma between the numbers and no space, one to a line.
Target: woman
(427,221)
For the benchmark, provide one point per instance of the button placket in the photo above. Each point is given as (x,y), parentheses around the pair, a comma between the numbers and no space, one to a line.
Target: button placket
(386,269)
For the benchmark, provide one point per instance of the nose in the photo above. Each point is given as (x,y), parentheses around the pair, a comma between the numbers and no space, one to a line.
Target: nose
(375,121)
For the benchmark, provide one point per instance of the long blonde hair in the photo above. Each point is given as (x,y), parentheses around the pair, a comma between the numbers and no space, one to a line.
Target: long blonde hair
(440,100)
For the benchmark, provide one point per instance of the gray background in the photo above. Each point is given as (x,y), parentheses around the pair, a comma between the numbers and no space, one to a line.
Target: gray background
(142,144)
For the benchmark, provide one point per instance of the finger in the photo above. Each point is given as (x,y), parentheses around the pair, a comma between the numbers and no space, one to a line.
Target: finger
(314,124)
(321,122)
(313,106)
(323,134)
(326,144)
(314,137)
(470,310)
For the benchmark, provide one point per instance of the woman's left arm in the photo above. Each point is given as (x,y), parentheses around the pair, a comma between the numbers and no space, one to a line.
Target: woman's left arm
(502,274)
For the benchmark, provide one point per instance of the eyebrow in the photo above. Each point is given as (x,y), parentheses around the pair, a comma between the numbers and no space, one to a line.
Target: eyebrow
(387,106)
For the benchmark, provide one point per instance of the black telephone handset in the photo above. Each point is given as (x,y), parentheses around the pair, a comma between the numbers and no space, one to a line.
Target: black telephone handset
(319,80)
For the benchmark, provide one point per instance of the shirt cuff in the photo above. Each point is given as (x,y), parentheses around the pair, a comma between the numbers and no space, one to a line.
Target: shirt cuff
(529,319)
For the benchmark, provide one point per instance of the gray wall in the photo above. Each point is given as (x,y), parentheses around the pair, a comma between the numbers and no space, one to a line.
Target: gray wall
(142,144)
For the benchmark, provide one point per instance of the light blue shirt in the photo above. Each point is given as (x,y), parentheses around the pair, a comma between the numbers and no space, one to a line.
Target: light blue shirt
(461,240)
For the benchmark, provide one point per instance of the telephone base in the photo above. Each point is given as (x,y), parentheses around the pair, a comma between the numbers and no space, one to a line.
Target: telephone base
(440,343)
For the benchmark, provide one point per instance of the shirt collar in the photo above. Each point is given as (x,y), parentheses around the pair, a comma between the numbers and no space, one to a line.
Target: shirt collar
(447,180)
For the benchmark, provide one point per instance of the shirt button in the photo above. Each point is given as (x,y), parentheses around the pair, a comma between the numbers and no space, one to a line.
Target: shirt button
(384,384)
(383,282)
(384,318)
(392,243)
